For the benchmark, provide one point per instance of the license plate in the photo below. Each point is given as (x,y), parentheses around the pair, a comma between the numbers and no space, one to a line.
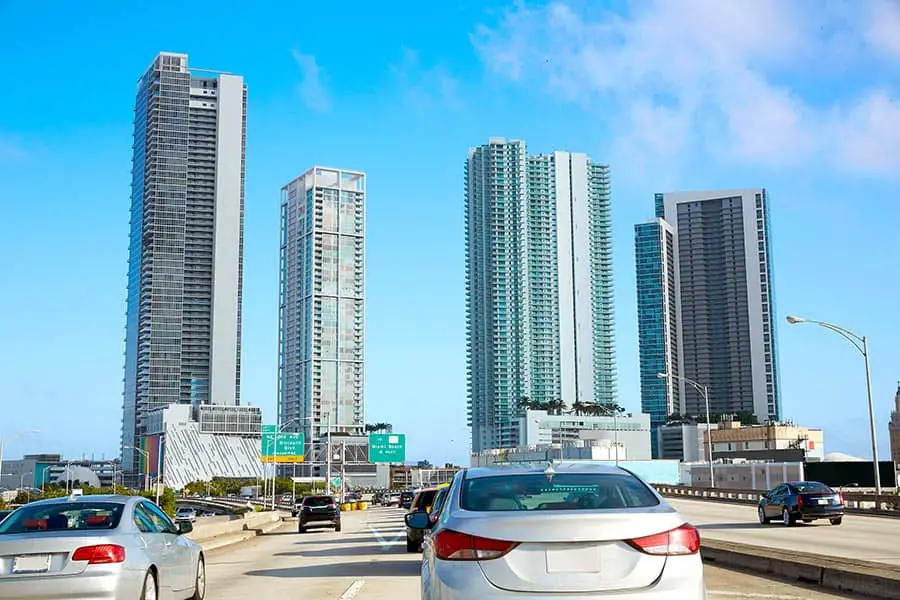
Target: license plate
(823,500)
(36,563)
(574,560)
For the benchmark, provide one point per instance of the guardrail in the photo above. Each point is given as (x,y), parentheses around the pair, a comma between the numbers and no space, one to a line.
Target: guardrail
(858,502)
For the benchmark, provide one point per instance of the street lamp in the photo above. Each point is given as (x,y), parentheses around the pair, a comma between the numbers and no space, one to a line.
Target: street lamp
(15,436)
(146,464)
(704,391)
(275,450)
(861,344)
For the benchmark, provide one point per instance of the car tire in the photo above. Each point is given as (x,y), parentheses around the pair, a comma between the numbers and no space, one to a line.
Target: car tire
(836,520)
(200,580)
(763,519)
(411,546)
(787,518)
(301,529)
(148,592)
(337,528)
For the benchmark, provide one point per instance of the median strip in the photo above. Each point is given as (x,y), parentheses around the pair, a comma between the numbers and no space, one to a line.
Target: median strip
(873,580)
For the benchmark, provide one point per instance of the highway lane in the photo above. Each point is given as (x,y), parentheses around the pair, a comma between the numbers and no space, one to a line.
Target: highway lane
(368,561)
(859,536)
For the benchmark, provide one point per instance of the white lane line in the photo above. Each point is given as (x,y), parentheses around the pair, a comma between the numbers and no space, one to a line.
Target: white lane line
(724,594)
(353,590)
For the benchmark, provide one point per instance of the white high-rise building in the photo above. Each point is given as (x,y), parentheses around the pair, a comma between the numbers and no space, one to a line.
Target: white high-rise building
(322,303)
(183,331)
(538,284)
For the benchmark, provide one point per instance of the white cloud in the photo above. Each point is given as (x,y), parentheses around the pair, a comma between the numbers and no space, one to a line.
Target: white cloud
(313,92)
(713,77)
(423,87)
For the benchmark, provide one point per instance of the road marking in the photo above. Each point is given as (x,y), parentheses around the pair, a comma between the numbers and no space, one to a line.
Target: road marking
(724,594)
(353,590)
(386,543)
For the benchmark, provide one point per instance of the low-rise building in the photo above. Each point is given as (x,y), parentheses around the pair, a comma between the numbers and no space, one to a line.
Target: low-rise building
(775,442)
(628,433)
(685,442)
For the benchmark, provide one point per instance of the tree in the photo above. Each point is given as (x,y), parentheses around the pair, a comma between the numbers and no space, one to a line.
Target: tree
(578,407)
(525,404)
(555,407)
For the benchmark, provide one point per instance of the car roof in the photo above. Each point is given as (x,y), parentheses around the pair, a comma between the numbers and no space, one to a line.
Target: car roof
(541,468)
(117,499)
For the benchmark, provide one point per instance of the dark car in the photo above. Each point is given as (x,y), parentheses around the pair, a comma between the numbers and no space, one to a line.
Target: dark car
(801,500)
(318,511)
(406,499)
(422,502)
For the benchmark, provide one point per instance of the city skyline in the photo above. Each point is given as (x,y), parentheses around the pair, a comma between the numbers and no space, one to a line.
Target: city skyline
(810,119)
(185,268)
(539,285)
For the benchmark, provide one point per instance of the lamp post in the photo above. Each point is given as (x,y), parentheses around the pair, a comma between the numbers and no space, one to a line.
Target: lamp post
(275,451)
(44,477)
(146,465)
(704,391)
(861,343)
(15,436)
(22,484)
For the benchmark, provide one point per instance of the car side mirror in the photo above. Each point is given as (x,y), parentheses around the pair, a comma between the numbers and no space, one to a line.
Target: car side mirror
(184,527)
(418,520)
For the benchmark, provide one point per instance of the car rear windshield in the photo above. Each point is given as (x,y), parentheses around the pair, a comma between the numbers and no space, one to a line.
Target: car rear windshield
(566,491)
(425,498)
(318,501)
(811,487)
(78,516)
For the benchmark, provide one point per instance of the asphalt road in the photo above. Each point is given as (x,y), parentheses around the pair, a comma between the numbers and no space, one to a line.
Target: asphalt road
(859,536)
(368,561)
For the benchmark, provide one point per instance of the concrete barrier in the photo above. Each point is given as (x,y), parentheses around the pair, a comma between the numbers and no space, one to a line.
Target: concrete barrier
(855,577)
(222,531)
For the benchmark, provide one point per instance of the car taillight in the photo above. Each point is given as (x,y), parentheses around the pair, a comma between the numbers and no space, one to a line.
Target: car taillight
(840,498)
(453,545)
(684,540)
(799,500)
(100,555)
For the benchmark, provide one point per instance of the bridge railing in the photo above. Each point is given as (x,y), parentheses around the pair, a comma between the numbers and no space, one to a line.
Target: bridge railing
(861,502)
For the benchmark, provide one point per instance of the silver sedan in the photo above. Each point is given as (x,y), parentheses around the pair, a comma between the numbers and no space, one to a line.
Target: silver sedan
(560,531)
(93,547)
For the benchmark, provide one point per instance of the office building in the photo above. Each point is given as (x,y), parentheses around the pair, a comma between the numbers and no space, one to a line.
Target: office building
(724,336)
(322,304)
(626,434)
(895,429)
(654,243)
(538,285)
(183,327)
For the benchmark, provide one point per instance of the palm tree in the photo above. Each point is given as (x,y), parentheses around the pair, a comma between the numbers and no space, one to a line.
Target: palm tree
(555,407)
(525,404)
(578,407)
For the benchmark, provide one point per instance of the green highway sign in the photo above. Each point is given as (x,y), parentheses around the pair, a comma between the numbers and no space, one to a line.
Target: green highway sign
(387,447)
(290,446)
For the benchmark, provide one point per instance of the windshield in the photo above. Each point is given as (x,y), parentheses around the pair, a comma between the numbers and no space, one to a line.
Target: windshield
(63,517)
(808,487)
(318,501)
(562,492)
(424,499)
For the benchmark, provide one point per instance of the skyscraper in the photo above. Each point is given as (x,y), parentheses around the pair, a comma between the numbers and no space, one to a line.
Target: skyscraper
(894,428)
(538,285)
(654,243)
(322,303)
(723,303)
(183,330)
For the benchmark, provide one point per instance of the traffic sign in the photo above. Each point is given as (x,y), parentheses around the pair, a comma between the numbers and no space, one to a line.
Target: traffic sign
(387,447)
(290,446)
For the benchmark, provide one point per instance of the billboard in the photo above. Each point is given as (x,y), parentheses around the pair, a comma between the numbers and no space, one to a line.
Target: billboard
(387,447)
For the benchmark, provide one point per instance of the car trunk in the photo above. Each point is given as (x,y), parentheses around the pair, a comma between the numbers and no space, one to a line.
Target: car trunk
(45,553)
(573,551)
(823,499)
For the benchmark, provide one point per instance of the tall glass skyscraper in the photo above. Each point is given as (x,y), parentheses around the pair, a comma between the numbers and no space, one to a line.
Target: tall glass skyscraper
(183,331)
(654,243)
(322,303)
(723,302)
(538,284)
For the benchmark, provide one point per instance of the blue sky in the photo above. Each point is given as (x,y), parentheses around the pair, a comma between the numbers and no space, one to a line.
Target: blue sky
(678,94)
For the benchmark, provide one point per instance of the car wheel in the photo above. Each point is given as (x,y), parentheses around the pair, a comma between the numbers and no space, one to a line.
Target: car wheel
(411,546)
(337,528)
(200,583)
(836,520)
(149,590)
(301,529)
(787,518)
(763,519)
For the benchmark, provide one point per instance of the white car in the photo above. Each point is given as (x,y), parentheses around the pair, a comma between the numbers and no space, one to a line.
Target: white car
(556,531)
(186,514)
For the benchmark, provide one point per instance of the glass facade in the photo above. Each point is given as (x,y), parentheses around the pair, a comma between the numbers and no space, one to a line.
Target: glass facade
(173,232)
(539,287)
(321,342)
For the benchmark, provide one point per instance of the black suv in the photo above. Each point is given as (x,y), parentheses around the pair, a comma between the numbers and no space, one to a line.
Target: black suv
(406,499)
(318,511)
